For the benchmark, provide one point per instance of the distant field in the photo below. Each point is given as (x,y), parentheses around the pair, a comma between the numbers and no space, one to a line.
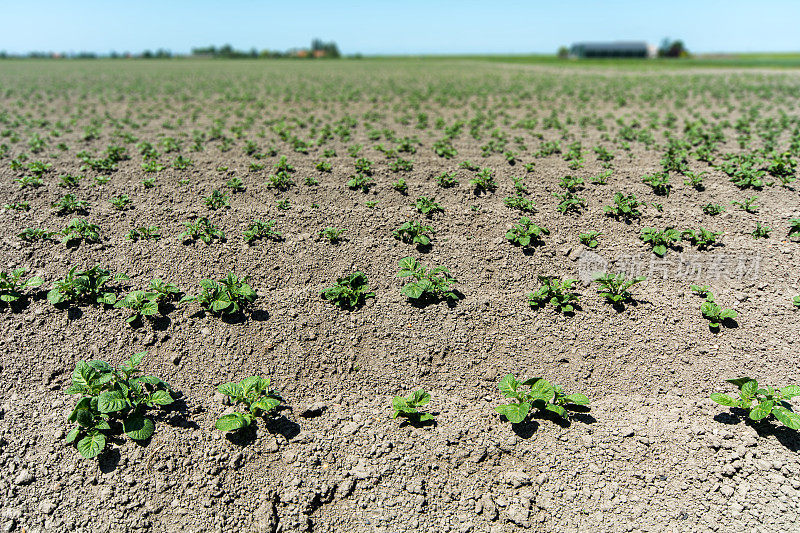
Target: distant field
(782,60)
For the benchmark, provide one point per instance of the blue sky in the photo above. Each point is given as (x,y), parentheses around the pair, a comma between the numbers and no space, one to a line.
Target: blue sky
(410,27)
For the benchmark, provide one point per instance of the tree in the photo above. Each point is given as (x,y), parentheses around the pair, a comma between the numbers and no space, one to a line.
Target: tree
(563,52)
(671,48)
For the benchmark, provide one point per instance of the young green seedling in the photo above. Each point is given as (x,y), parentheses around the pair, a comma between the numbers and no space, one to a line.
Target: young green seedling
(589,239)
(447,180)
(258,399)
(427,206)
(429,283)
(217,200)
(12,286)
(625,207)
(224,297)
(748,204)
(614,288)
(555,292)
(713,312)
(332,235)
(701,290)
(768,401)
(259,229)
(526,233)
(541,395)
(408,407)
(713,209)
(484,181)
(88,285)
(163,291)
(202,230)
(761,231)
(520,202)
(140,303)
(414,232)
(78,229)
(145,233)
(794,228)
(702,238)
(349,292)
(660,240)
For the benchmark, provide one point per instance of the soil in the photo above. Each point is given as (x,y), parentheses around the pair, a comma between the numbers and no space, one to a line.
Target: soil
(652,453)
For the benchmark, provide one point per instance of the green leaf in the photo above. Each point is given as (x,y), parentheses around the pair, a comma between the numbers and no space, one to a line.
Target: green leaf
(220,305)
(91,445)
(660,250)
(790,392)
(138,427)
(400,405)
(232,422)
(514,412)
(107,298)
(34,282)
(542,390)
(749,388)
(82,375)
(234,390)
(424,417)
(72,435)
(557,409)
(160,397)
(413,290)
(249,384)
(728,313)
(408,263)
(508,386)
(762,410)
(577,399)
(421,397)
(723,399)
(55,297)
(83,416)
(786,417)
(265,405)
(111,401)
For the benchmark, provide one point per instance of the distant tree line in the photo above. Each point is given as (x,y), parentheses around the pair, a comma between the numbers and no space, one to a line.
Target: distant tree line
(318,49)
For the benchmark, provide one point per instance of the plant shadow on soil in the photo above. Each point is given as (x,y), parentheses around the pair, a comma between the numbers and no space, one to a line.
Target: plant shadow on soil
(528,427)
(280,424)
(728,323)
(416,423)
(423,302)
(789,438)
(259,315)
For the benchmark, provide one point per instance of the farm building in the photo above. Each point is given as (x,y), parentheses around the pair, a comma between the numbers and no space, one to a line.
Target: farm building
(613,49)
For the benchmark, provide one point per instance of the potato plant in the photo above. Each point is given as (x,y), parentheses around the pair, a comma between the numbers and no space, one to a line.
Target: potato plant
(540,394)
(12,286)
(555,292)
(256,396)
(414,232)
(429,283)
(113,394)
(90,286)
(614,287)
(349,292)
(526,233)
(227,296)
(768,401)
(408,407)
